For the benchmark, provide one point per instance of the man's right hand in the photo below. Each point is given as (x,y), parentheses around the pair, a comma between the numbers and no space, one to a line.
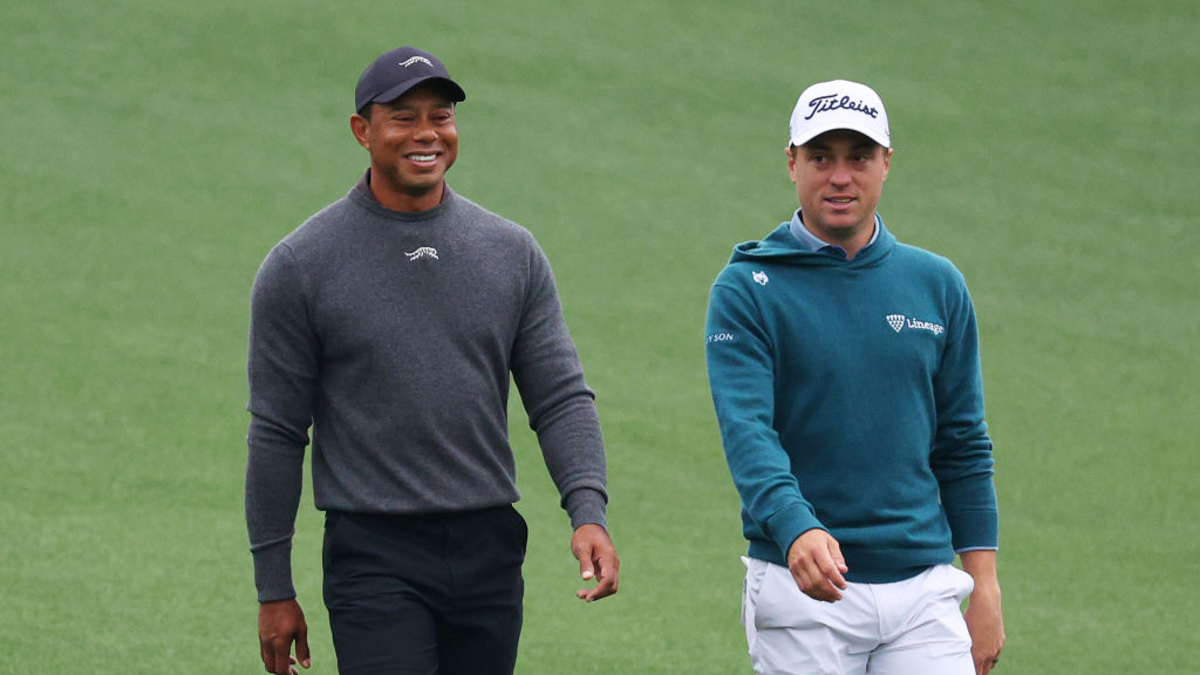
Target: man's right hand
(816,562)
(279,624)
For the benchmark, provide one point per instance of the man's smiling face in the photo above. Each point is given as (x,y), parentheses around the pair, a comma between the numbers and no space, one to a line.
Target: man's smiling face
(839,179)
(413,142)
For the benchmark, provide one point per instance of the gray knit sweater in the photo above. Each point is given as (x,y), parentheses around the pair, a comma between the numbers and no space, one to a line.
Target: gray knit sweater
(393,335)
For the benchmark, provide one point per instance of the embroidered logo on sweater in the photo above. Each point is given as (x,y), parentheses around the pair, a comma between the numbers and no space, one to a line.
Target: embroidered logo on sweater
(423,252)
(760,278)
(899,322)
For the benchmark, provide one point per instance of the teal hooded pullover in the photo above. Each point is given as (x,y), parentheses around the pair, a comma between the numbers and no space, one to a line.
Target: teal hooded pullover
(850,399)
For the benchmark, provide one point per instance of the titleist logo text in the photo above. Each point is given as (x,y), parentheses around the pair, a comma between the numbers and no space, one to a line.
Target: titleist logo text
(832,102)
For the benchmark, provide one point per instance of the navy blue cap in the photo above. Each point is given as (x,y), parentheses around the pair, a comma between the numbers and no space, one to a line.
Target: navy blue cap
(397,71)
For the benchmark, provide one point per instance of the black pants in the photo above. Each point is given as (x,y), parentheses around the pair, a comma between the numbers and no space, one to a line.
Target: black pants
(425,595)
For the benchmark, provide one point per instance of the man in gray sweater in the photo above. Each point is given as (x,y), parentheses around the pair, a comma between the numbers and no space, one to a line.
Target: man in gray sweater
(389,323)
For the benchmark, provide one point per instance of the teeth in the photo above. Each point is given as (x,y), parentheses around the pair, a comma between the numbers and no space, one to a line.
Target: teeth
(422,158)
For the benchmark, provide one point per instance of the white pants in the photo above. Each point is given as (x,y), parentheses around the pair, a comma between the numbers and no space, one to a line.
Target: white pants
(911,627)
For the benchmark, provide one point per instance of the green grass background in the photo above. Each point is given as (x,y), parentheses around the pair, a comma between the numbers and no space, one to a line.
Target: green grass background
(152,152)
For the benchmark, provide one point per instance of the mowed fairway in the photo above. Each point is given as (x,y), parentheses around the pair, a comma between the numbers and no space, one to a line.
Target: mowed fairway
(152,152)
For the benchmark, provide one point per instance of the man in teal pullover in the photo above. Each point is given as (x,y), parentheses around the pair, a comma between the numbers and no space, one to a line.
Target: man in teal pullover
(844,368)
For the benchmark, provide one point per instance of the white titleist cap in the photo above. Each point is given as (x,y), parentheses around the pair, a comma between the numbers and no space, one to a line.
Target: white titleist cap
(839,104)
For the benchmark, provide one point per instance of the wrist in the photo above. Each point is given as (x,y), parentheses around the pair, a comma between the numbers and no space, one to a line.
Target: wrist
(985,595)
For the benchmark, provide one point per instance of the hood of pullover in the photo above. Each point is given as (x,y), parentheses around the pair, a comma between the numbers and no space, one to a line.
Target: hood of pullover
(781,246)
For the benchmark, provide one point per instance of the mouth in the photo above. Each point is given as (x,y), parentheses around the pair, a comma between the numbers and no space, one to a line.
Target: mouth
(840,202)
(421,157)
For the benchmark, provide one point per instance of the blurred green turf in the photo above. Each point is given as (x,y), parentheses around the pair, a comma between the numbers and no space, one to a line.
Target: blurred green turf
(153,152)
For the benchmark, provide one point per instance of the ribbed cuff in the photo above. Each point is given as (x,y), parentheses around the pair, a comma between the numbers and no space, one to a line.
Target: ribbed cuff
(585,506)
(974,529)
(787,525)
(273,572)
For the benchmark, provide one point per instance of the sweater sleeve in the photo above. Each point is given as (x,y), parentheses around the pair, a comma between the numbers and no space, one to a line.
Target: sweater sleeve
(282,369)
(741,377)
(961,458)
(560,405)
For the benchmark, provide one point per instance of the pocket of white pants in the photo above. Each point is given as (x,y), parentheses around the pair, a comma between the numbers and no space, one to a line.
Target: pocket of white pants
(779,602)
(755,570)
(751,585)
(961,582)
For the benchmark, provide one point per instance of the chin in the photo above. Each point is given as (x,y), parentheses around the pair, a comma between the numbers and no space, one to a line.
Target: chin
(423,184)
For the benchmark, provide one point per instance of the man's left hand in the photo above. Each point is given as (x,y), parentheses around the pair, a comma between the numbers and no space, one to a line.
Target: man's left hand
(984,618)
(598,560)
(987,630)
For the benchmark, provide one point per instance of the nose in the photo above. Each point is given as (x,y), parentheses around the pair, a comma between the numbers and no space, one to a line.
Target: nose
(426,131)
(840,174)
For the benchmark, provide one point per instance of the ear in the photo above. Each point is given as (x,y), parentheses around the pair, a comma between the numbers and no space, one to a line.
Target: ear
(359,126)
(791,162)
(887,161)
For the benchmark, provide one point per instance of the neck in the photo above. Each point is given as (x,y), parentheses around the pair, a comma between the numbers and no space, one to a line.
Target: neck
(857,243)
(850,241)
(407,202)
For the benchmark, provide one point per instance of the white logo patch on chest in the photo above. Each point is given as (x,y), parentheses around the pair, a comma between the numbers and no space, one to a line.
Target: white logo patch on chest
(899,322)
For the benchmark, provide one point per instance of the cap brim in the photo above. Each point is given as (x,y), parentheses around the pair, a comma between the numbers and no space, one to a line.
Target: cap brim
(454,91)
(834,126)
